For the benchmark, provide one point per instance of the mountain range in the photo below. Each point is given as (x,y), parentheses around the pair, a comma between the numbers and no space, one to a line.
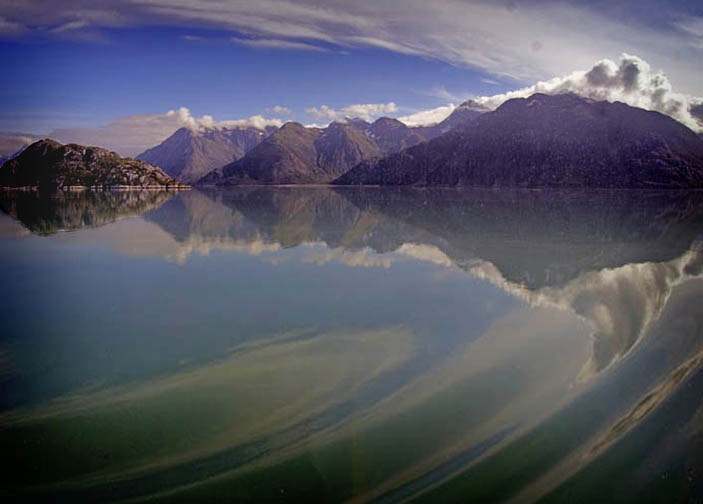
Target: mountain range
(49,164)
(549,141)
(189,154)
(297,155)
(541,141)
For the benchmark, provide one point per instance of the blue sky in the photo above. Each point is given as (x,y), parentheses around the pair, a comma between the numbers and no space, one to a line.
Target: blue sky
(151,70)
(73,71)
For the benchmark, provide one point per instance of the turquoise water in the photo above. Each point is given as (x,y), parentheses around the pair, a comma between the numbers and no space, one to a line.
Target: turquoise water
(321,345)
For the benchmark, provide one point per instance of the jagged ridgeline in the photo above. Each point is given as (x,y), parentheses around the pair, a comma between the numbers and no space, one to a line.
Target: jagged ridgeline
(47,164)
(549,141)
(44,212)
(292,154)
(189,154)
(536,142)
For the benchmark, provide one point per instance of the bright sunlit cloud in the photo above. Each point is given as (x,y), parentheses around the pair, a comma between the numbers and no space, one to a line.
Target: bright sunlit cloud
(133,134)
(366,111)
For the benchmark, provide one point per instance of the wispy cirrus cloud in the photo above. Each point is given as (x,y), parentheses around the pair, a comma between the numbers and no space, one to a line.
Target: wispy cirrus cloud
(527,42)
(284,45)
(11,29)
(693,27)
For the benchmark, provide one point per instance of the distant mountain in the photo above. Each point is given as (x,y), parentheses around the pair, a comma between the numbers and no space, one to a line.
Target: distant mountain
(187,155)
(391,135)
(549,141)
(49,164)
(464,113)
(298,155)
(287,156)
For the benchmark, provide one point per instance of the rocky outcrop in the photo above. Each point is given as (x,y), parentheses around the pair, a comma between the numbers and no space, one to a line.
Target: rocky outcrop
(49,164)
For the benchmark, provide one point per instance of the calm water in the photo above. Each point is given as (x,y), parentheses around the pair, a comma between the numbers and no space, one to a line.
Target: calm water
(310,344)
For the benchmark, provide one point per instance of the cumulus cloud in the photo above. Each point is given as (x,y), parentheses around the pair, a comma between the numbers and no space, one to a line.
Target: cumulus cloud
(279,110)
(323,112)
(631,81)
(427,117)
(286,45)
(423,252)
(132,135)
(366,111)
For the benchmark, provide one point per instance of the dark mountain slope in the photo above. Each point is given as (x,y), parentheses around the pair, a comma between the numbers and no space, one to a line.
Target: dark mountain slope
(287,156)
(187,155)
(298,155)
(549,141)
(50,164)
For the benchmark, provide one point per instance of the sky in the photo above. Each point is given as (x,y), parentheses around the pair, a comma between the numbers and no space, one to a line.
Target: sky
(125,74)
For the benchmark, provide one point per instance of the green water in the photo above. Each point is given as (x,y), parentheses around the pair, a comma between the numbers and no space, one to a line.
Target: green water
(321,345)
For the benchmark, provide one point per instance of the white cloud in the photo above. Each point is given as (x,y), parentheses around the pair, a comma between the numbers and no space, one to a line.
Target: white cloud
(427,117)
(692,25)
(71,25)
(366,111)
(631,81)
(10,28)
(424,252)
(132,135)
(323,112)
(286,45)
(444,94)
(10,143)
(524,41)
(278,109)
(356,258)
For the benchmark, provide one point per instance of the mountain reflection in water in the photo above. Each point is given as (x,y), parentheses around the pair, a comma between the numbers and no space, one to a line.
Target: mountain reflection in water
(317,344)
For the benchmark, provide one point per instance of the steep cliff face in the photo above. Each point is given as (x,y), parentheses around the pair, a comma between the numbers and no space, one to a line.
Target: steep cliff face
(549,141)
(50,164)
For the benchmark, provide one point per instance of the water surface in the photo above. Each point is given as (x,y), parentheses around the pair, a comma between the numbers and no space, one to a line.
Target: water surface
(315,344)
